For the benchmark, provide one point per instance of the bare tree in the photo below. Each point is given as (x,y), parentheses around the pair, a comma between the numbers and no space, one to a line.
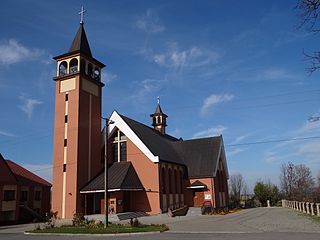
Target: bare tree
(309,11)
(287,179)
(296,181)
(304,185)
(237,185)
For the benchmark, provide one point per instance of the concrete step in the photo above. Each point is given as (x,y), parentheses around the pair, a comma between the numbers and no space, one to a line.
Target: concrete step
(194,211)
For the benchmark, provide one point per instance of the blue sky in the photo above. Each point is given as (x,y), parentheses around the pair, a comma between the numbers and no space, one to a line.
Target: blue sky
(220,67)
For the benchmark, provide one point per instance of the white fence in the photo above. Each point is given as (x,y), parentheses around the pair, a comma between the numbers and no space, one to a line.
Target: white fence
(305,207)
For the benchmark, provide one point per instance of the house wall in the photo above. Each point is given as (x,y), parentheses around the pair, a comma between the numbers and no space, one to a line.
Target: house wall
(148,200)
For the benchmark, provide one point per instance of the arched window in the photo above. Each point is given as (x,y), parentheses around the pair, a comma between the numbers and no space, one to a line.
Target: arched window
(181,182)
(73,65)
(90,71)
(63,68)
(178,180)
(175,182)
(82,66)
(170,181)
(163,182)
(96,74)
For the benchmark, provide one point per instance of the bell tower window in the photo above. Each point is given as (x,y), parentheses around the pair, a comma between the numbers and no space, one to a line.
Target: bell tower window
(90,70)
(73,65)
(96,74)
(63,68)
(119,147)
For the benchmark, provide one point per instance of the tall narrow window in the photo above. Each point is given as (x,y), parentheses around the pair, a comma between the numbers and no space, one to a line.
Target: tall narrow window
(65,118)
(67,97)
(24,196)
(119,147)
(65,142)
(37,195)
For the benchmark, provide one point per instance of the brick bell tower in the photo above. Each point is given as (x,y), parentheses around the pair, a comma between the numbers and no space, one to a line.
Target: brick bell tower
(77,125)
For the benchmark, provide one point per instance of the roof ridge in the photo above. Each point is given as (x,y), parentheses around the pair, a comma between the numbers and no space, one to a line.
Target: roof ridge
(37,179)
(165,136)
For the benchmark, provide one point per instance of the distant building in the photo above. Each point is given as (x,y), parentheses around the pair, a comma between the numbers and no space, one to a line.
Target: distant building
(24,196)
(148,170)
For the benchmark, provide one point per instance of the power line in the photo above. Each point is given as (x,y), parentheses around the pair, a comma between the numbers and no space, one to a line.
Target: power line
(227,145)
(273,141)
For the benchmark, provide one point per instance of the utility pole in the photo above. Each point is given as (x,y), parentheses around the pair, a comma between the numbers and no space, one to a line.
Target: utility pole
(106,209)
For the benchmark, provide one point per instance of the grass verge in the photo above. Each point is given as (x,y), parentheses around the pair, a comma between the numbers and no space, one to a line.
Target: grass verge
(113,228)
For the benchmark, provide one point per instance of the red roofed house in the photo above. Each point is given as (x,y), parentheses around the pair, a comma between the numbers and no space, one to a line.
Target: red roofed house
(24,196)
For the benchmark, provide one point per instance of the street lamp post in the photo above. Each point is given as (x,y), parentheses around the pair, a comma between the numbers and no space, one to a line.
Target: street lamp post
(106,130)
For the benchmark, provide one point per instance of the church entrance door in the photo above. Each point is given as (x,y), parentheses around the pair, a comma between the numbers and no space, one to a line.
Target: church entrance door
(198,198)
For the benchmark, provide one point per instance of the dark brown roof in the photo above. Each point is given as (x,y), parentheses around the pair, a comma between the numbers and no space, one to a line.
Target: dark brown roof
(159,144)
(200,155)
(24,176)
(158,111)
(80,43)
(121,175)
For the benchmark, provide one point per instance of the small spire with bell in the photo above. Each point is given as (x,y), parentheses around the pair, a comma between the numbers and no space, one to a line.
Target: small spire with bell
(159,119)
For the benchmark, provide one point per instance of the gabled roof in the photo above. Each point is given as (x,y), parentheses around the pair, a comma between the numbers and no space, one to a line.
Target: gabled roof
(197,184)
(80,42)
(24,176)
(7,176)
(201,156)
(121,176)
(159,144)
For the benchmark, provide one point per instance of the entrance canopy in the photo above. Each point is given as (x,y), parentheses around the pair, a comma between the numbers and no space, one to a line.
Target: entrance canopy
(121,177)
(197,185)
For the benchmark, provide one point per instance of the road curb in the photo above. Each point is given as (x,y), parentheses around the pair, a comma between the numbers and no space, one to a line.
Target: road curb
(92,234)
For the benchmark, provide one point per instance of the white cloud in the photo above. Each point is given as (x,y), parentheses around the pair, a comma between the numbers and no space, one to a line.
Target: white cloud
(108,77)
(6,134)
(192,57)
(241,138)
(214,100)
(146,88)
(150,22)
(276,74)
(28,105)
(42,170)
(214,131)
(13,52)
(235,151)
(311,148)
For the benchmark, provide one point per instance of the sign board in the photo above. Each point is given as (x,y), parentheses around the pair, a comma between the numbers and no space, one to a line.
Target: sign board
(207,197)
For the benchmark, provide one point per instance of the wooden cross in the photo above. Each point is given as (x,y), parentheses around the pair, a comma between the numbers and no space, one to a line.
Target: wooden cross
(81,14)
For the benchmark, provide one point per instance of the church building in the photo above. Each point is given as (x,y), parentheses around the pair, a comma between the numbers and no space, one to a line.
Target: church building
(148,170)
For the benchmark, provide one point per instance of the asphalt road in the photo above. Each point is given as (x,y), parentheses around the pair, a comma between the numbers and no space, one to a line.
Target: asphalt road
(259,223)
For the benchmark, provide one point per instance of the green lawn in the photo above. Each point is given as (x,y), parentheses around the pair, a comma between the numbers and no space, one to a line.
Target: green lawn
(113,228)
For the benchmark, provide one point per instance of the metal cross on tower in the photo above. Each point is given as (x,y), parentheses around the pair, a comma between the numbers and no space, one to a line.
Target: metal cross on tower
(81,14)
